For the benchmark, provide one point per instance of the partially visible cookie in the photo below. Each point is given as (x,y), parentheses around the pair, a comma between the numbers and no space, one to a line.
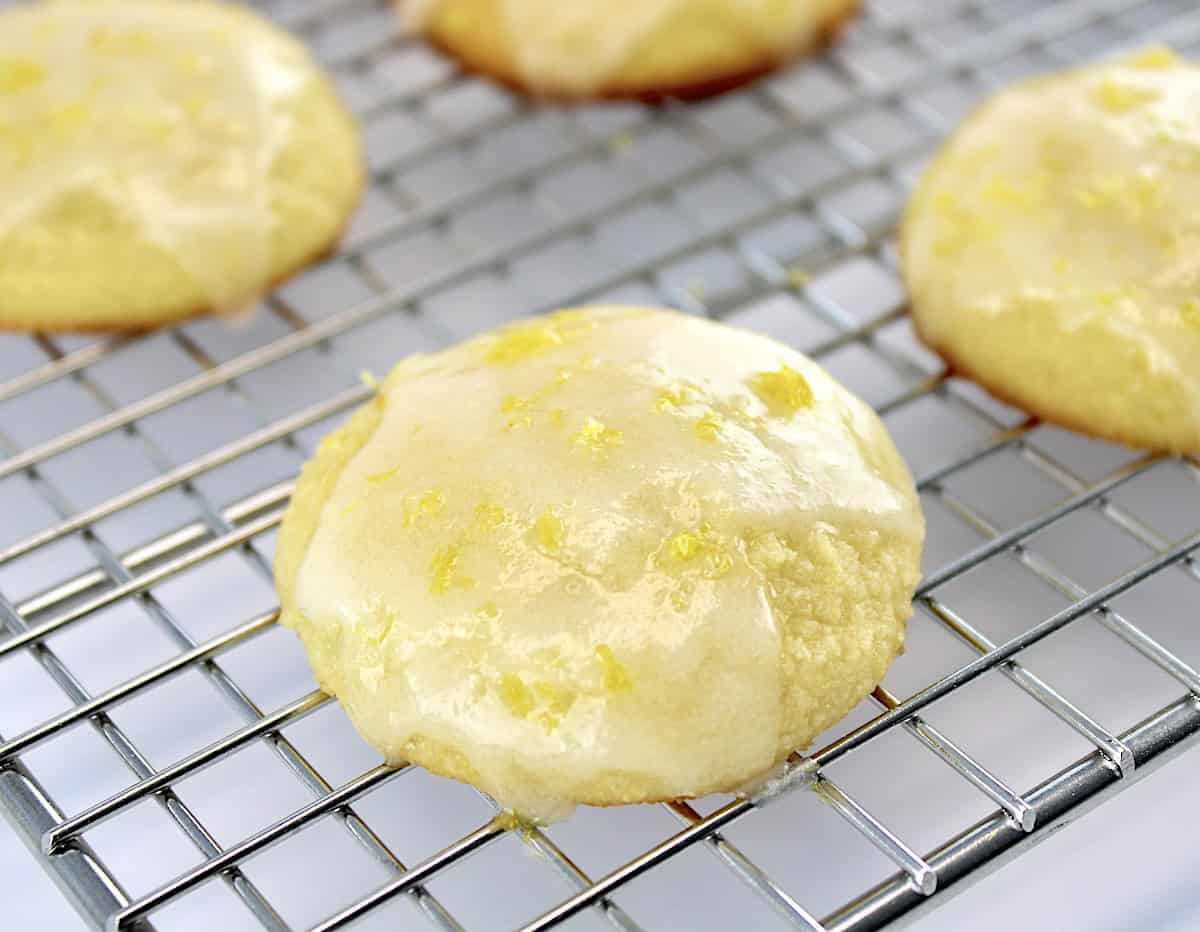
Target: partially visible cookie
(650,49)
(1052,249)
(605,556)
(159,159)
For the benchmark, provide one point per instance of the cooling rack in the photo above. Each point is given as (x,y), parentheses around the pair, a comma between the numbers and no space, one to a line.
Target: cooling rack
(164,752)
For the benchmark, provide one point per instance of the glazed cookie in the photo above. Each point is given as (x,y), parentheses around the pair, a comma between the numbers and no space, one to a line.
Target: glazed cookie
(160,159)
(1052,249)
(598,48)
(606,556)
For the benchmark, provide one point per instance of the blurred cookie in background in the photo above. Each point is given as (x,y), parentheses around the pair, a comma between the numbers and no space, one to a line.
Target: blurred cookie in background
(1052,249)
(652,49)
(159,160)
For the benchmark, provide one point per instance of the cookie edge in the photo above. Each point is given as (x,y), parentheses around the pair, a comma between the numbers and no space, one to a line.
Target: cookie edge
(955,361)
(505,74)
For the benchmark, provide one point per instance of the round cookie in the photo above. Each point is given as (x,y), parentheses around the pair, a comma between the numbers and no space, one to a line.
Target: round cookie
(1052,249)
(651,49)
(605,556)
(158,160)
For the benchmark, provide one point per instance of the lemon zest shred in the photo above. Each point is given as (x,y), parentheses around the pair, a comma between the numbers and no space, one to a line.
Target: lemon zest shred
(616,677)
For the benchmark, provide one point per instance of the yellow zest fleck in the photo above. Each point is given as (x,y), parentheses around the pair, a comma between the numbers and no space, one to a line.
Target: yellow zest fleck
(616,677)
(946,203)
(1120,96)
(20,74)
(1000,190)
(557,702)
(377,627)
(549,530)
(708,426)
(557,699)
(549,656)
(1156,56)
(1062,265)
(511,403)
(444,571)
(681,596)
(1111,297)
(797,278)
(489,610)
(596,435)
(702,544)
(69,117)
(558,416)
(684,546)
(489,516)
(515,695)
(1138,193)
(428,504)
(784,391)
(194,105)
(520,341)
(368,379)
(962,225)
(672,397)
(385,475)
(1191,312)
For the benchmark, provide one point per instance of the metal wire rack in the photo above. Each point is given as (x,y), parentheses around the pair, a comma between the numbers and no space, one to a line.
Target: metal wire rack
(165,753)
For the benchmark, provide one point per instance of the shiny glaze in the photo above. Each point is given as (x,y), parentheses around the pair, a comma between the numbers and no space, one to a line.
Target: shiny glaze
(580,46)
(539,557)
(171,114)
(1067,208)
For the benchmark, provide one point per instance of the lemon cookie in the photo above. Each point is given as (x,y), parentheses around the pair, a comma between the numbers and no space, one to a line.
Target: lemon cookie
(606,556)
(598,48)
(1052,249)
(160,159)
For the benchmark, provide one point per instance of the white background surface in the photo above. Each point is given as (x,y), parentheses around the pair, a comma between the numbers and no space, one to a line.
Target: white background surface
(1130,866)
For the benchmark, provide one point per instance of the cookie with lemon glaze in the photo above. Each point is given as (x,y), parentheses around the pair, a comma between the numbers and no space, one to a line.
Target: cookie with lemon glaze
(650,49)
(159,159)
(606,556)
(1052,249)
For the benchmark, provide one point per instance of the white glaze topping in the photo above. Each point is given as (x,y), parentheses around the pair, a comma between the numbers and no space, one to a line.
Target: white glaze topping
(557,549)
(1056,239)
(579,46)
(170,113)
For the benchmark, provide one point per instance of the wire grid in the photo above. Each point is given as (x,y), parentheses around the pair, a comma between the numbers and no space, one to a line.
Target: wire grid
(145,476)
